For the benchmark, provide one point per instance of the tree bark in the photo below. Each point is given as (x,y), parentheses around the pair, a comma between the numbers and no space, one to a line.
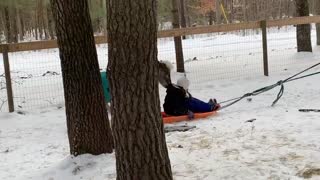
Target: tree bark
(304,30)
(87,119)
(141,150)
(317,11)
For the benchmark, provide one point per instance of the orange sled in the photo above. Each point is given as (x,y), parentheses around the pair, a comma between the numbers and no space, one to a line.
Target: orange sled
(172,119)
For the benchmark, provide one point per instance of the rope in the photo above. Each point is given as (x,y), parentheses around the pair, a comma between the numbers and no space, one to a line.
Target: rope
(304,76)
(267,88)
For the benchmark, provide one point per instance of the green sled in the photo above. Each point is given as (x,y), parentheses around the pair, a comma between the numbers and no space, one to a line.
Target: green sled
(105,84)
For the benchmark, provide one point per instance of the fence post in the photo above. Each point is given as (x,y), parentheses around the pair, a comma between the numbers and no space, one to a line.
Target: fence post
(177,40)
(8,78)
(263,25)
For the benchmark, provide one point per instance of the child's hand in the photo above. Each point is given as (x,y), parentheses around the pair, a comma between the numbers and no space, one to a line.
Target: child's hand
(190,115)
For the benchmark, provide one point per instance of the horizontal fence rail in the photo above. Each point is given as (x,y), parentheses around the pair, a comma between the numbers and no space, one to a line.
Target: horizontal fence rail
(38,45)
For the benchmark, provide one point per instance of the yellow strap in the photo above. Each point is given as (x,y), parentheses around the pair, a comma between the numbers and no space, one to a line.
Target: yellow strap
(224,13)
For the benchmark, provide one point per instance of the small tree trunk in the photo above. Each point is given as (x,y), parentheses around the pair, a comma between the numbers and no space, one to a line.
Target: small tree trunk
(20,25)
(311,6)
(36,34)
(318,33)
(99,25)
(44,17)
(183,16)
(41,20)
(255,13)
(288,8)
(317,11)
(15,34)
(187,16)
(303,31)
(177,40)
(231,12)
(8,33)
(280,10)
(2,29)
(87,119)
(211,13)
(104,25)
(218,12)
(141,150)
(245,11)
(292,9)
(50,22)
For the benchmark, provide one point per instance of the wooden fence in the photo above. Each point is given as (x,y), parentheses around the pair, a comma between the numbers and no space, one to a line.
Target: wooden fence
(263,25)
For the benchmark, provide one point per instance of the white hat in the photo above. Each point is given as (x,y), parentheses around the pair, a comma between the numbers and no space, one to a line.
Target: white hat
(183,82)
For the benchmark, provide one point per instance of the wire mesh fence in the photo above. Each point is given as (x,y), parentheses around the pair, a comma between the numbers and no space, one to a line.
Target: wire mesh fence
(37,78)
(283,50)
(223,56)
(3,95)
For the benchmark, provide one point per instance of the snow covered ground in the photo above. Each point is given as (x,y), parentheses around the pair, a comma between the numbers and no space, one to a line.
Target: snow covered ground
(282,143)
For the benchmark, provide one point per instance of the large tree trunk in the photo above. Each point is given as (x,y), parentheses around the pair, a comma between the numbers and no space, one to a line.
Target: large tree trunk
(141,150)
(303,31)
(87,119)
(317,11)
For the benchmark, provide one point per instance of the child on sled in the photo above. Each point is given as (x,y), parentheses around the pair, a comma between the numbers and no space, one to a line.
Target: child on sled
(178,100)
